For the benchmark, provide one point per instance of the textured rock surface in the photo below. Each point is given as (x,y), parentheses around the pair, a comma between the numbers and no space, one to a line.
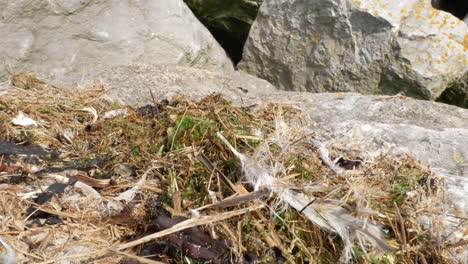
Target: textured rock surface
(434,133)
(74,38)
(131,84)
(366,46)
(228,20)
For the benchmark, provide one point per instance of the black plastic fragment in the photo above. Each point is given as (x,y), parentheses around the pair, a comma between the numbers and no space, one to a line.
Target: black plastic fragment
(148,110)
(22,178)
(348,164)
(280,259)
(51,220)
(44,197)
(77,165)
(8,147)
(429,182)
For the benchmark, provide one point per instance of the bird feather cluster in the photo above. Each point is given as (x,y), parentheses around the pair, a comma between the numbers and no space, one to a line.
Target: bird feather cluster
(328,214)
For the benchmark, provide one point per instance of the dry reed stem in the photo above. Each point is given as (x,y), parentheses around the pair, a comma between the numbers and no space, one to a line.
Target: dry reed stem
(202,220)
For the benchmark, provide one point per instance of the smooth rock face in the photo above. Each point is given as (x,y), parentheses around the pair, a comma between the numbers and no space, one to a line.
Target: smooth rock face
(67,40)
(228,20)
(366,46)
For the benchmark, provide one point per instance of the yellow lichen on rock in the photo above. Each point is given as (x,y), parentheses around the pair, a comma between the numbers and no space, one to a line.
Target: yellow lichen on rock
(465,42)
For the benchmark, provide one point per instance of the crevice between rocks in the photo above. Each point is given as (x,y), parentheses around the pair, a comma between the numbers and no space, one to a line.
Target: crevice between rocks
(454,95)
(458,8)
(229,22)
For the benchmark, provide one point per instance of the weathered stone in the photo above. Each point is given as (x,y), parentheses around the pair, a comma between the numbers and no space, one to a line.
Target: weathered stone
(66,40)
(132,84)
(228,20)
(366,46)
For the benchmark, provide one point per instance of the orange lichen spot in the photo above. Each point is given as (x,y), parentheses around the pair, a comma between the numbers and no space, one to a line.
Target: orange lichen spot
(443,22)
(462,59)
(418,7)
(465,42)
(434,22)
(433,12)
(340,94)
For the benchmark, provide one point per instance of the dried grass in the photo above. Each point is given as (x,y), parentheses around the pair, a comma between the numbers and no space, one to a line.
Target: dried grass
(389,191)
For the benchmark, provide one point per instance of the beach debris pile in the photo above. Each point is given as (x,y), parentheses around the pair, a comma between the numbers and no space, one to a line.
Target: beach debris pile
(84,179)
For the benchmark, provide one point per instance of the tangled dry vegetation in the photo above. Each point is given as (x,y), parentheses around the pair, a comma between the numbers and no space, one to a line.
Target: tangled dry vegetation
(98,182)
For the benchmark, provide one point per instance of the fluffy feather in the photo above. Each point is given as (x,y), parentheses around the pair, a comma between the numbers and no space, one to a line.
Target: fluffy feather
(327,214)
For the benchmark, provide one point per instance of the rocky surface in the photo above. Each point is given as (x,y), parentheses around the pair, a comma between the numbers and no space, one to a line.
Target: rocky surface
(228,20)
(132,84)
(141,49)
(366,46)
(67,40)
(434,133)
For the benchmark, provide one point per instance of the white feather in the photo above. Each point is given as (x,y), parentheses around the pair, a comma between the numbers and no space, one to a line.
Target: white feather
(10,256)
(327,214)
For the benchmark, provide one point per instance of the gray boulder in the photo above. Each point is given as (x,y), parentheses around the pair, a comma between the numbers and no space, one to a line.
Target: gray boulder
(132,84)
(434,133)
(365,46)
(67,40)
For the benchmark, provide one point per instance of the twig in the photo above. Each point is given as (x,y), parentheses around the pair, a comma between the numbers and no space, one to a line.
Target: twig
(204,160)
(152,97)
(202,220)
(402,230)
(236,200)
(140,259)
(82,256)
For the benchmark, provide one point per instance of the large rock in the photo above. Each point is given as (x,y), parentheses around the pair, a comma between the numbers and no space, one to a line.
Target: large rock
(366,46)
(66,40)
(228,20)
(434,133)
(132,84)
